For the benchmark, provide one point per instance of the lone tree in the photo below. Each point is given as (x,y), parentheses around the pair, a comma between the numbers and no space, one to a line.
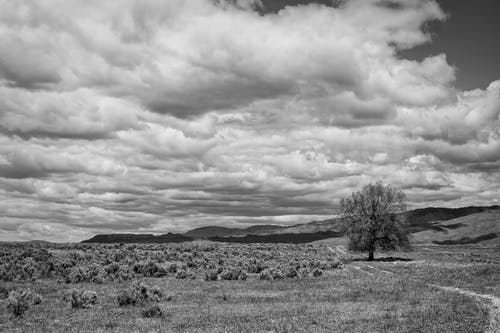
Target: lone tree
(374,219)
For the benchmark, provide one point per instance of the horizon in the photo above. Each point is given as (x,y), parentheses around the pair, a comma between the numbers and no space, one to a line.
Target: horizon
(158,233)
(231,113)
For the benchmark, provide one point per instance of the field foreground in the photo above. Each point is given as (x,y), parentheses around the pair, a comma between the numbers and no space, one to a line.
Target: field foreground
(433,289)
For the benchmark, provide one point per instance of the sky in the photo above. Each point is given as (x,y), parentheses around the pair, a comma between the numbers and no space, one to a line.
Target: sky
(161,116)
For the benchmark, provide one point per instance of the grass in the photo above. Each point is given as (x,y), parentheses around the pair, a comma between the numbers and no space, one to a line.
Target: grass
(473,268)
(340,301)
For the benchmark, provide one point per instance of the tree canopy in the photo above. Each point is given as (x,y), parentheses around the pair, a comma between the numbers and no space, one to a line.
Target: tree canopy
(374,218)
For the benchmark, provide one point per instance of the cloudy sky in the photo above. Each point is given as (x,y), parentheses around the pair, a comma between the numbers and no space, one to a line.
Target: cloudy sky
(157,116)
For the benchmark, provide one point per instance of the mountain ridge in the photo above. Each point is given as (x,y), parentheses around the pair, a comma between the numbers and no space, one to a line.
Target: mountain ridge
(138,238)
(419,220)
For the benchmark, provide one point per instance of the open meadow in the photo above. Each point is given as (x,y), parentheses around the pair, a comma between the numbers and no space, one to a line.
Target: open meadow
(217,287)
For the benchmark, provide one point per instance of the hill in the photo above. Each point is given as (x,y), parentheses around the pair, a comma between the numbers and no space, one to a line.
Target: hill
(418,219)
(440,224)
(215,231)
(295,238)
(425,218)
(313,227)
(39,242)
(264,230)
(483,227)
(138,238)
(432,224)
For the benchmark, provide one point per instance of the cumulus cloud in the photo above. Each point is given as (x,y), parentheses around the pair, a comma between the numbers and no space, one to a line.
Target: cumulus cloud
(81,113)
(159,116)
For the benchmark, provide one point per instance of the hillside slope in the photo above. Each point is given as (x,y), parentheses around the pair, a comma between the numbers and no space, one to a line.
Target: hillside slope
(418,219)
(425,218)
(138,238)
(429,225)
(478,224)
(216,231)
(483,227)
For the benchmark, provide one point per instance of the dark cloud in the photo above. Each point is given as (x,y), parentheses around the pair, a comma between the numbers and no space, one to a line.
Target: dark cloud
(57,134)
(26,68)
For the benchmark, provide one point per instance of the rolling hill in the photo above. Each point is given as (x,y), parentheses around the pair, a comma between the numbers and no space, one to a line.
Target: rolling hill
(483,227)
(138,238)
(418,220)
(435,225)
(426,218)
(215,231)
(295,238)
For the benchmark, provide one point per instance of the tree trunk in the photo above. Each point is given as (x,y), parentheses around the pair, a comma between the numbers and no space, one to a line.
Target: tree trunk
(370,255)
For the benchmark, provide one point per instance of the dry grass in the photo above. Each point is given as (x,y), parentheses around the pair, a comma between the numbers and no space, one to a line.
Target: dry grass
(472,268)
(343,301)
(367,299)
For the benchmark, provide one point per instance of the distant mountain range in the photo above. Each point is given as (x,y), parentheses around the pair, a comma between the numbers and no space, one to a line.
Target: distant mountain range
(432,224)
(214,231)
(138,238)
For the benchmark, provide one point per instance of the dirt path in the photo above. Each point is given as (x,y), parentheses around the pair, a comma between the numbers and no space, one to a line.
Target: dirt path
(492,302)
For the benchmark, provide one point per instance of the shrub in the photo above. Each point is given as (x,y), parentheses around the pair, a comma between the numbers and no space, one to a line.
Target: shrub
(17,304)
(127,298)
(76,275)
(211,276)
(152,312)
(124,273)
(4,293)
(112,269)
(181,274)
(118,272)
(336,263)
(20,300)
(81,298)
(150,293)
(150,269)
(172,267)
(184,274)
(92,273)
(139,292)
(97,274)
(303,273)
(317,273)
(232,273)
(272,274)
(291,272)
(256,267)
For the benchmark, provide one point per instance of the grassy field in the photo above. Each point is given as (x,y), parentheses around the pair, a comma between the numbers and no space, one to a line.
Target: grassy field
(468,267)
(380,296)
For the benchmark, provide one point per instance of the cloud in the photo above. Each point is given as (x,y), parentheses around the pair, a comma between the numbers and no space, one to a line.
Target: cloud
(157,116)
(186,58)
(473,115)
(81,113)
(30,160)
